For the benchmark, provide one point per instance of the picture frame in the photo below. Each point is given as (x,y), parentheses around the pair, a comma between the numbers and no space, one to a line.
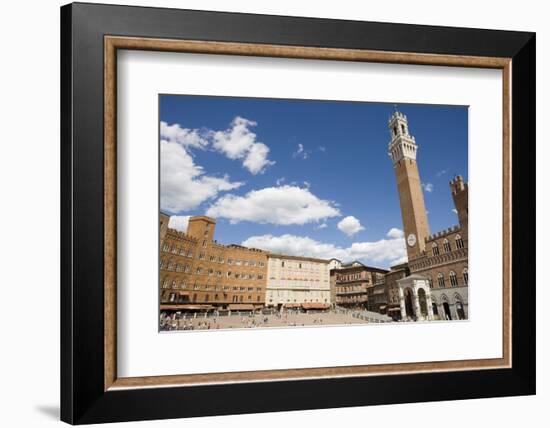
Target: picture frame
(91,391)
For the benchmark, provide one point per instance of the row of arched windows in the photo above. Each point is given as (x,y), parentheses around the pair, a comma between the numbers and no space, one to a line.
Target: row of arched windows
(459,244)
(171,265)
(174,249)
(453,279)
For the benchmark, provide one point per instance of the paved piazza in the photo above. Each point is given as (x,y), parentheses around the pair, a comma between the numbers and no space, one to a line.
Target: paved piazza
(289,319)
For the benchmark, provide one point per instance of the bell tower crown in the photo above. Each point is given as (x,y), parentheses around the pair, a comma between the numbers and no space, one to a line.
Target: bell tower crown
(402,144)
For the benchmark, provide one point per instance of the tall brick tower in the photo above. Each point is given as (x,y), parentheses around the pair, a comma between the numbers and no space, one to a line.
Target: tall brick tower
(402,151)
(459,190)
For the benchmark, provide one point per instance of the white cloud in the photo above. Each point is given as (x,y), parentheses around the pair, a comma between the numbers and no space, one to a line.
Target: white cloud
(238,142)
(256,159)
(301,152)
(184,185)
(454,211)
(350,225)
(186,137)
(179,222)
(428,187)
(440,173)
(395,233)
(386,252)
(282,205)
(322,226)
(280,181)
(322,149)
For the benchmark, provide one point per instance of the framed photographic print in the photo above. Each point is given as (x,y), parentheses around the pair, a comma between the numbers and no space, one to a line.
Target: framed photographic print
(272,213)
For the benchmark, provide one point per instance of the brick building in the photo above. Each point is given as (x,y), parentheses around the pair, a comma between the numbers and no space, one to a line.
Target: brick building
(377,299)
(351,284)
(445,261)
(198,274)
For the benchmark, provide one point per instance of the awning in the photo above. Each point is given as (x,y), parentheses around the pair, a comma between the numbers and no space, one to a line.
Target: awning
(176,307)
(241,307)
(292,305)
(315,305)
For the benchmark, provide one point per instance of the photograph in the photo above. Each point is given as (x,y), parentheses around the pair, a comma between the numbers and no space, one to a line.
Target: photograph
(294,213)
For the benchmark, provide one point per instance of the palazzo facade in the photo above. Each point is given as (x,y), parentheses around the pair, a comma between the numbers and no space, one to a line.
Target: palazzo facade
(297,282)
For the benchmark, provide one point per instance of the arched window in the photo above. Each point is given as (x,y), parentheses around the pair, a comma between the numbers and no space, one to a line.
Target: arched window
(465,276)
(454,281)
(440,280)
(170,265)
(446,246)
(162,263)
(459,242)
(165,283)
(435,249)
(174,284)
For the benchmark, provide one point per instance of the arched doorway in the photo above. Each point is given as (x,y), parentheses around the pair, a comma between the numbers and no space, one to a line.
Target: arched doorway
(409,308)
(434,310)
(459,306)
(423,302)
(447,310)
(460,311)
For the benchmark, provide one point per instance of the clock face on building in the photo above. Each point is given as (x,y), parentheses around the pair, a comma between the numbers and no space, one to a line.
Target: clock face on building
(411,240)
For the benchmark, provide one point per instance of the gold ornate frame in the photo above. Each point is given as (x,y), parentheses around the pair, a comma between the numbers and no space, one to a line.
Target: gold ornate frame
(114,43)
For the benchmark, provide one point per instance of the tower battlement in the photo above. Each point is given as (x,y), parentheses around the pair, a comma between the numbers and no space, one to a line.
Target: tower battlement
(457,185)
(397,115)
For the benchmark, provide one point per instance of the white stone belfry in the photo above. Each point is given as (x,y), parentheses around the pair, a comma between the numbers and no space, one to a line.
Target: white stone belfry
(402,144)
(416,288)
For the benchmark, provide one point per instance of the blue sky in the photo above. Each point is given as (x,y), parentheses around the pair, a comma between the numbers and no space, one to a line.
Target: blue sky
(282,174)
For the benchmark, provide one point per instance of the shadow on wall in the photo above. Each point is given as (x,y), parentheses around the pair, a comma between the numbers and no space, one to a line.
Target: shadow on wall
(52,411)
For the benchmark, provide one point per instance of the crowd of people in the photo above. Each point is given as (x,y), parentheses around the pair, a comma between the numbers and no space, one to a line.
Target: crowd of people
(215,321)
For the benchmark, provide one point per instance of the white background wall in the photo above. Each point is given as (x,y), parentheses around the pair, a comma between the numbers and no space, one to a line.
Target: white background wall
(29,230)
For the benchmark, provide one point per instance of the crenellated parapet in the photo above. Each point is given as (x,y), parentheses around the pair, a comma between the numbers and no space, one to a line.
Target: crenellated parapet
(443,233)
